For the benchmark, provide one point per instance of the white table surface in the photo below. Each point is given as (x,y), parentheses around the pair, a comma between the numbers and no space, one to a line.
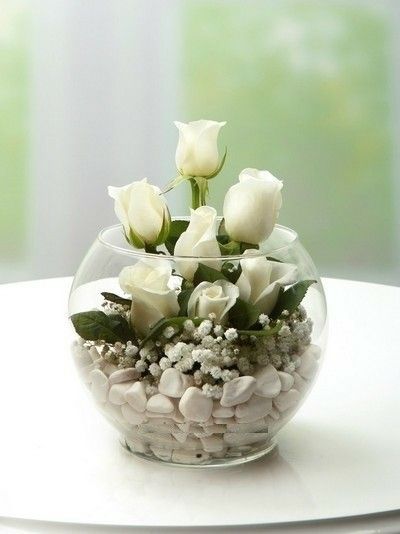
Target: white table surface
(60,461)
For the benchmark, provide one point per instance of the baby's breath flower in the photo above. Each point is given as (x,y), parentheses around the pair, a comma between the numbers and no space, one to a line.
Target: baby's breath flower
(231,334)
(141,366)
(218,330)
(131,350)
(204,328)
(169,332)
(165,363)
(155,370)
(263,319)
(188,326)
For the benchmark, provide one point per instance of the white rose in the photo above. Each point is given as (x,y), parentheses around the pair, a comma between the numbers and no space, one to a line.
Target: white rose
(198,240)
(251,207)
(217,297)
(261,279)
(197,151)
(152,298)
(143,213)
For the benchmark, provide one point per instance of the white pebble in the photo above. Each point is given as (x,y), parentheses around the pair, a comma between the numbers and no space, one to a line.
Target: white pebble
(94,353)
(117,393)
(287,399)
(136,445)
(195,406)
(238,390)
(189,457)
(132,416)
(114,412)
(237,439)
(99,385)
(136,396)
(223,420)
(268,382)
(286,379)
(255,426)
(81,355)
(162,454)
(254,408)
(308,366)
(174,383)
(160,404)
(212,443)
(109,369)
(123,375)
(222,411)
(299,383)
(274,413)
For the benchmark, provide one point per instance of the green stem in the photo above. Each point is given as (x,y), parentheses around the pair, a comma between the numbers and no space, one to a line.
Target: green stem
(196,203)
(151,249)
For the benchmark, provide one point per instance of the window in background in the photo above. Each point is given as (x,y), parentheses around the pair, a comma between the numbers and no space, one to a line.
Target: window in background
(13,128)
(305,88)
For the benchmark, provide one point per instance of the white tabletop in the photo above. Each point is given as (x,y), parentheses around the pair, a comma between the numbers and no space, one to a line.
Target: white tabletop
(338,458)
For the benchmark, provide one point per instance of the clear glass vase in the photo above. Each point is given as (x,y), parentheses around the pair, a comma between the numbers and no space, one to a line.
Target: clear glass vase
(165,396)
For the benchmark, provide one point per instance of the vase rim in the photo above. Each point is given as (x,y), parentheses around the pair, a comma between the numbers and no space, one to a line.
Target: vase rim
(128,250)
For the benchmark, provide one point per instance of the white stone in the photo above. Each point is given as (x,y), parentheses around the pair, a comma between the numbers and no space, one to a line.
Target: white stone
(224,420)
(81,355)
(159,403)
(178,417)
(189,457)
(114,412)
(213,444)
(255,426)
(184,427)
(274,413)
(162,454)
(180,436)
(117,393)
(94,353)
(222,411)
(237,439)
(159,440)
(132,416)
(268,382)
(299,383)
(215,429)
(160,425)
(287,399)
(136,396)
(309,365)
(99,385)
(109,369)
(238,390)
(195,406)
(123,375)
(174,383)
(191,443)
(156,415)
(286,379)
(136,445)
(253,409)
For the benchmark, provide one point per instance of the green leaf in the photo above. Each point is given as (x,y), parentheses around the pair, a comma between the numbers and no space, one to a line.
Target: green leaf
(207,274)
(270,258)
(175,230)
(262,333)
(176,322)
(231,248)
(231,272)
(96,325)
(183,299)
(243,314)
(291,298)
(244,246)
(111,297)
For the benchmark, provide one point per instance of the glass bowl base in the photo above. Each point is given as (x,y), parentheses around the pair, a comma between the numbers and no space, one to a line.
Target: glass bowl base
(230,459)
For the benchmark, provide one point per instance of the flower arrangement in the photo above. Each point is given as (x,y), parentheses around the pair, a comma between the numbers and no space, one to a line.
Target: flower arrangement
(208,350)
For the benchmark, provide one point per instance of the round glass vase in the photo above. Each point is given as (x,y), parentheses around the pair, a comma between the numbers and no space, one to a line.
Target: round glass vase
(195,394)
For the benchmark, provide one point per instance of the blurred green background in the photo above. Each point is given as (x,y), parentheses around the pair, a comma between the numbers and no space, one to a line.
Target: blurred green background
(308,89)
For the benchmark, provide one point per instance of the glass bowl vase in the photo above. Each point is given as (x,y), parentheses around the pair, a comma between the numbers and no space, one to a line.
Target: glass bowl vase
(194,393)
